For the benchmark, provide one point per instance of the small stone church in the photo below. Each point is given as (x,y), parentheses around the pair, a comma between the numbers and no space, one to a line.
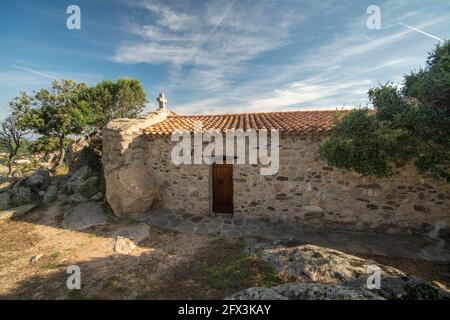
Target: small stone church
(140,176)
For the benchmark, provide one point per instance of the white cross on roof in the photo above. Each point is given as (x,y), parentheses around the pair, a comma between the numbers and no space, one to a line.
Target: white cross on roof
(162,101)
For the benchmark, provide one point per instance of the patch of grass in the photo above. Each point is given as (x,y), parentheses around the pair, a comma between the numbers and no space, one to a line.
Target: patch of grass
(55,254)
(50,261)
(215,273)
(114,283)
(240,271)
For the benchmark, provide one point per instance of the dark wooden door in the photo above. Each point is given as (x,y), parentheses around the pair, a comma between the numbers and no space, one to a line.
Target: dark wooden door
(222,188)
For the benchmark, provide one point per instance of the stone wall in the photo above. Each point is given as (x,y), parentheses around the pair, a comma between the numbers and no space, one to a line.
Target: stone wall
(310,192)
(305,190)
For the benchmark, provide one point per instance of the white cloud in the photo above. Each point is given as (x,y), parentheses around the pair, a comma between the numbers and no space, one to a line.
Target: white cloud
(210,52)
(212,37)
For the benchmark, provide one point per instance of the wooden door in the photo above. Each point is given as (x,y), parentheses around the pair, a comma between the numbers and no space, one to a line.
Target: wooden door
(222,188)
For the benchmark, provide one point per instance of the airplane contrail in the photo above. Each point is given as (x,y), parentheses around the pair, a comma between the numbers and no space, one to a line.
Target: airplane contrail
(216,26)
(42,74)
(420,31)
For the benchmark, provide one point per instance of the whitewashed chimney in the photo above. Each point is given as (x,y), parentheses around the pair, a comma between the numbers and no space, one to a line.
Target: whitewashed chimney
(162,101)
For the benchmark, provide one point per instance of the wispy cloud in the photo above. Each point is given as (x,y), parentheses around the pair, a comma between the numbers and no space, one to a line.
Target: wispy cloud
(225,57)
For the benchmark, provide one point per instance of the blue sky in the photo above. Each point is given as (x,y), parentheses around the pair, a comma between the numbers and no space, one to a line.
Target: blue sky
(220,56)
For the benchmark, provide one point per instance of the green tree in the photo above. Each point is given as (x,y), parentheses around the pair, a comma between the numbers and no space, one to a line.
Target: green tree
(110,100)
(46,145)
(431,85)
(408,124)
(11,138)
(56,113)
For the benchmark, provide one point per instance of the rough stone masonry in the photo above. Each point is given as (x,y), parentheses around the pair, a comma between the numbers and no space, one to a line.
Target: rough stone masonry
(140,176)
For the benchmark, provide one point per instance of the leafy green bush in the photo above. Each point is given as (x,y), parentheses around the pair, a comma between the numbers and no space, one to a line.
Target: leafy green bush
(408,124)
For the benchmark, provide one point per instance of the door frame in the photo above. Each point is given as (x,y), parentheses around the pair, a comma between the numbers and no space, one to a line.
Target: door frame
(213,192)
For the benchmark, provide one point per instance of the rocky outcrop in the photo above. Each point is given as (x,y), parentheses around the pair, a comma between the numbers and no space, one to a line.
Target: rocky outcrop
(83,184)
(305,291)
(309,263)
(319,264)
(131,189)
(16,212)
(51,194)
(30,189)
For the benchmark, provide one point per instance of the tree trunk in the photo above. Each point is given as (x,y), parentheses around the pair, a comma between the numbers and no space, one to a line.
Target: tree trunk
(62,152)
(10,160)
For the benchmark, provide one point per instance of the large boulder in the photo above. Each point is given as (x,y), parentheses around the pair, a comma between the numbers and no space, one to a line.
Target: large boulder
(21,195)
(319,264)
(131,189)
(310,263)
(39,180)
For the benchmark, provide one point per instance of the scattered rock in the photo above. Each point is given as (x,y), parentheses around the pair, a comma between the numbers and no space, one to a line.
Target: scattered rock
(16,212)
(123,245)
(51,194)
(84,215)
(36,258)
(128,237)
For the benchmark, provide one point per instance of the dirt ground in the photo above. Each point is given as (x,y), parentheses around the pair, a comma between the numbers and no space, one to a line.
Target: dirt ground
(166,265)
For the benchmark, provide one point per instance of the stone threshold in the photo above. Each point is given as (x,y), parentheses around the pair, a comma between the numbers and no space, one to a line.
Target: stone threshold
(227,226)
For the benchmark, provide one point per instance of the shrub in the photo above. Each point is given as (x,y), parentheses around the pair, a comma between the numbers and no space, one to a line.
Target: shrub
(408,124)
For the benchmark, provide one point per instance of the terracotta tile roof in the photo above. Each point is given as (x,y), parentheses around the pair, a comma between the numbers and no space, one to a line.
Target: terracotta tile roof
(302,122)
